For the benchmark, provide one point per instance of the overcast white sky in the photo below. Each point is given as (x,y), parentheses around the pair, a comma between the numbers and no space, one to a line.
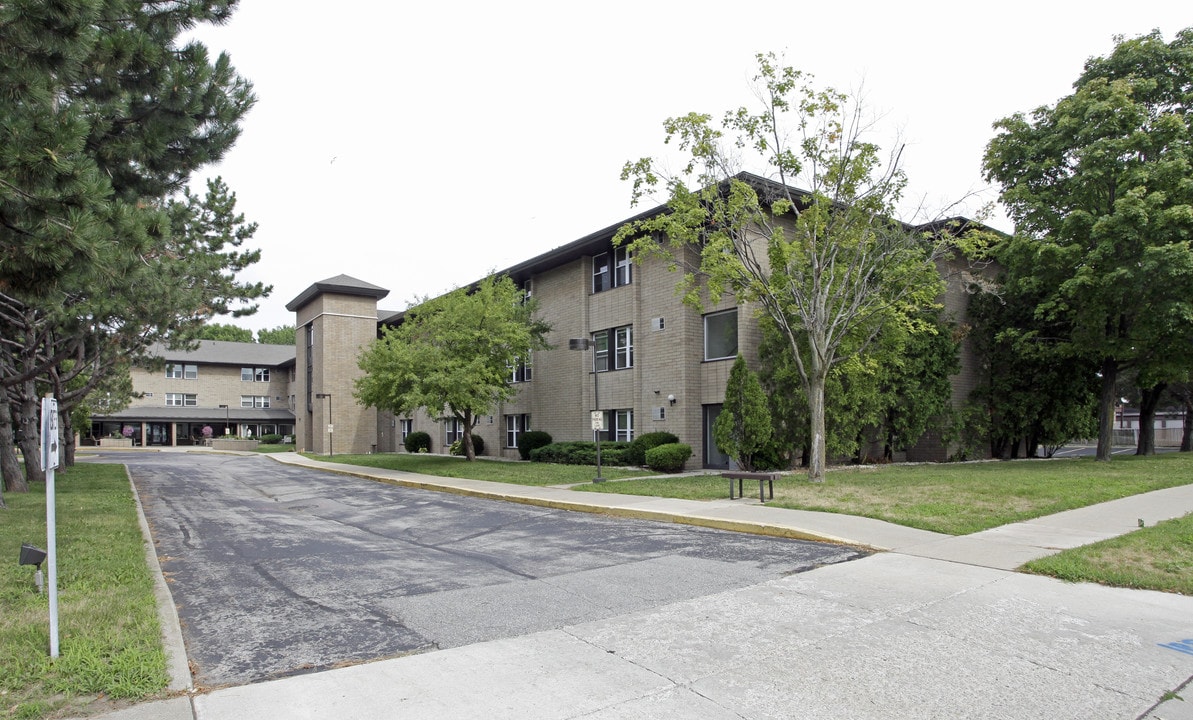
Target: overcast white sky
(418,146)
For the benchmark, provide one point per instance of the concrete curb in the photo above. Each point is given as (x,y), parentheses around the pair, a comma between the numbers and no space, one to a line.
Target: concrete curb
(742,526)
(167,612)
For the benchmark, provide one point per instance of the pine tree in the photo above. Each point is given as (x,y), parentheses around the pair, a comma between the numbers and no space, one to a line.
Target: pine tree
(743,427)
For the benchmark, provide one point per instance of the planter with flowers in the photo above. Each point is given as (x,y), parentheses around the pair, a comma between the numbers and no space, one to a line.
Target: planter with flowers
(123,440)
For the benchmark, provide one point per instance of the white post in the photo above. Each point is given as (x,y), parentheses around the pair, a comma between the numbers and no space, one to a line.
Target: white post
(49,456)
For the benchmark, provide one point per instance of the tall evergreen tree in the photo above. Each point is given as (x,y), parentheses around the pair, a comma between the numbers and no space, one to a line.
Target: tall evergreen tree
(105,115)
(744,425)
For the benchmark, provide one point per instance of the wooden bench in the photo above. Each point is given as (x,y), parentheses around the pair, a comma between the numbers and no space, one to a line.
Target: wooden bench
(766,481)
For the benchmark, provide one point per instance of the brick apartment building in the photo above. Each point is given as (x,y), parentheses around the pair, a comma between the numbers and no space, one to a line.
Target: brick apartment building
(654,364)
(235,388)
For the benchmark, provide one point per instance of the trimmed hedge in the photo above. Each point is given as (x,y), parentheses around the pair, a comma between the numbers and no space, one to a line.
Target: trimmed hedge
(532,440)
(580,452)
(270,439)
(668,457)
(478,446)
(636,454)
(418,442)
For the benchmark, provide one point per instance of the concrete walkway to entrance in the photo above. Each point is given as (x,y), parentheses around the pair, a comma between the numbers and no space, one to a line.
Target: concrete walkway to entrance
(936,627)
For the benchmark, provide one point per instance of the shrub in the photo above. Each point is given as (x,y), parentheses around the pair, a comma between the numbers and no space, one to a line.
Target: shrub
(270,439)
(532,440)
(668,457)
(580,453)
(478,446)
(636,454)
(418,442)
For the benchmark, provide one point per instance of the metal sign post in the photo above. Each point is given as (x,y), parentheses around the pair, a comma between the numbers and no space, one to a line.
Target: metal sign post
(598,424)
(49,461)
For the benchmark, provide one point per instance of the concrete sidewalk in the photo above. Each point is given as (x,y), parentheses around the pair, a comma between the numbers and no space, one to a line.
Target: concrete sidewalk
(937,627)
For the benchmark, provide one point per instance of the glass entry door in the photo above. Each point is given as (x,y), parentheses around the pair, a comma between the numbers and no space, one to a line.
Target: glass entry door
(158,434)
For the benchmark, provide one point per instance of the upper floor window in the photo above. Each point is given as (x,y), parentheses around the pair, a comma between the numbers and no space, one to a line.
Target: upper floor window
(181,400)
(521,369)
(622,351)
(248,374)
(182,372)
(248,401)
(612,269)
(720,335)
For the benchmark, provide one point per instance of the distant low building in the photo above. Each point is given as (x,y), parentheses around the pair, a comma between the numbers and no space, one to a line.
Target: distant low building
(234,388)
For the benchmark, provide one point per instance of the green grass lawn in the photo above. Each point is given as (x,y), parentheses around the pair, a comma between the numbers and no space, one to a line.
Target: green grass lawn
(519,473)
(1155,558)
(953,498)
(275,448)
(110,639)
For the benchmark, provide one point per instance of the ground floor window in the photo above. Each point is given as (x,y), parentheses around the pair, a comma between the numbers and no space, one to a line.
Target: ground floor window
(515,425)
(619,425)
(407,425)
(453,430)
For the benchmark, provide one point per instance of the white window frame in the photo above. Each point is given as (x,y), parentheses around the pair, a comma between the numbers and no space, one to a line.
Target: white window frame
(515,425)
(600,351)
(707,334)
(182,400)
(521,369)
(407,425)
(623,267)
(612,269)
(602,274)
(624,347)
(619,425)
(453,430)
(254,401)
(254,374)
(179,371)
(623,425)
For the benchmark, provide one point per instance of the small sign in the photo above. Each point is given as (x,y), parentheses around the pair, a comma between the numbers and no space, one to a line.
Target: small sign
(49,433)
(330,428)
(598,420)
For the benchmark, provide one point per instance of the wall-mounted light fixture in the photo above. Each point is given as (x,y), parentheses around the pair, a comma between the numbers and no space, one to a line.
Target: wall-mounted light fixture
(671,399)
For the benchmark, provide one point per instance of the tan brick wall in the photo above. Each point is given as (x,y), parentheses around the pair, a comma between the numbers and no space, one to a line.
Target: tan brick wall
(343,326)
(216,385)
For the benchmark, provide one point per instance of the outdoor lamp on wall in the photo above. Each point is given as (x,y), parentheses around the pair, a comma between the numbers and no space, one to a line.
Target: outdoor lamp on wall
(31,555)
(671,399)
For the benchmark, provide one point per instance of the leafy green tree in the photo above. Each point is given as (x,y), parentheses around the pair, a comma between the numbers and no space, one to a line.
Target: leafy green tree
(280,335)
(1034,390)
(828,265)
(1098,186)
(743,427)
(915,367)
(225,332)
(452,354)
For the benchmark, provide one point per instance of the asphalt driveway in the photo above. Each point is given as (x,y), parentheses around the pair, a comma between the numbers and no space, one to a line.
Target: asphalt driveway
(278,570)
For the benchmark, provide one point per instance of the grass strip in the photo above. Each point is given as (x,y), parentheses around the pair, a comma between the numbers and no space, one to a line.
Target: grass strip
(1154,558)
(518,473)
(952,498)
(110,639)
